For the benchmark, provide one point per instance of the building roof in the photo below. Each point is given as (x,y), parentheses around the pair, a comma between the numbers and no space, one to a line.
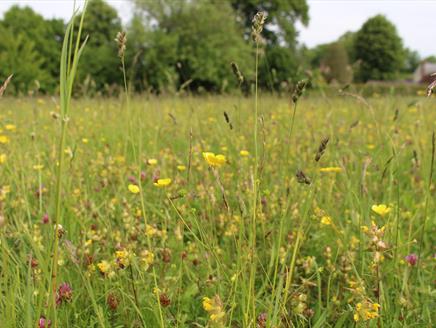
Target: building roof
(423,70)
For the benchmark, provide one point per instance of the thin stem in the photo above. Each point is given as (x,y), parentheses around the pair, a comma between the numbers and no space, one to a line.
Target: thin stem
(427,197)
(254,205)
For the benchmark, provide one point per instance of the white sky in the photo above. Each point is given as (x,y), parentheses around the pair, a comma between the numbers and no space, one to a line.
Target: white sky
(329,19)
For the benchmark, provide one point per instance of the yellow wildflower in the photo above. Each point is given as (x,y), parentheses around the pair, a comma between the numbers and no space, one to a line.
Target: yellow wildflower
(162,182)
(122,258)
(244,153)
(85,140)
(214,307)
(152,161)
(326,220)
(3,158)
(4,139)
(10,127)
(104,266)
(381,209)
(181,168)
(330,169)
(214,160)
(134,189)
(38,167)
(366,311)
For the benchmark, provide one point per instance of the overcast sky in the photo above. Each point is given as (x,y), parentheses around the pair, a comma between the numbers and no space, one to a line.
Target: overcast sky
(329,19)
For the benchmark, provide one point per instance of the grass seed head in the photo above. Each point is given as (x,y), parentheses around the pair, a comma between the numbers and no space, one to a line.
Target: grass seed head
(121,41)
(5,85)
(257,27)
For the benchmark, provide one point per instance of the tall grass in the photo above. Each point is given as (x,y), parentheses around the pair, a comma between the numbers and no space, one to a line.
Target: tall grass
(70,57)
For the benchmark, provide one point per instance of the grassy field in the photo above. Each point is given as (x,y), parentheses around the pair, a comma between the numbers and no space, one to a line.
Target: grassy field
(234,241)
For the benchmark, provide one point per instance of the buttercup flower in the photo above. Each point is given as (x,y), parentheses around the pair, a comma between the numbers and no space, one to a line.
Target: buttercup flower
(134,189)
(181,168)
(10,127)
(381,209)
(4,139)
(330,169)
(152,161)
(214,160)
(326,220)
(244,153)
(162,182)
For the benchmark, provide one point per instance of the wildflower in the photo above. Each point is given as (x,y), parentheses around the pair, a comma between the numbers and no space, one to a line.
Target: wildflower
(366,311)
(134,189)
(326,220)
(10,127)
(381,209)
(244,153)
(112,301)
(104,267)
(152,161)
(43,322)
(334,169)
(3,158)
(181,168)
(411,259)
(122,258)
(162,182)
(4,139)
(261,320)
(214,160)
(214,308)
(85,140)
(38,167)
(164,300)
(64,294)
(147,258)
(45,219)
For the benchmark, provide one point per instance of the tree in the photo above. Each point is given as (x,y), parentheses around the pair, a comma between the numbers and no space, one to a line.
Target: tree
(282,17)
(18,56)
(336,64)
(206,37)
(46,38)
(380,50)
(411,60)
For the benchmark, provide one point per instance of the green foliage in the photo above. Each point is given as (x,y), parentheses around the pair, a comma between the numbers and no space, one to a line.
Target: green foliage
(43,36)
(380,50)
(100,61)
(18,56)
(336,64)
(282,17)
(279,68)
(411,60)
(198,41)
(151,56)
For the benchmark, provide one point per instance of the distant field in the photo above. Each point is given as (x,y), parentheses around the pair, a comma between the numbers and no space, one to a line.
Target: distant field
(202,249)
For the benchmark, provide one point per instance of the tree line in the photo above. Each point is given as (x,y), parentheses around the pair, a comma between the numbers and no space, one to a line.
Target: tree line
(189,45)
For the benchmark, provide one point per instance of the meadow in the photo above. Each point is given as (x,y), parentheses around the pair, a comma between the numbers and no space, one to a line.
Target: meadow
(218,211)
(138,251)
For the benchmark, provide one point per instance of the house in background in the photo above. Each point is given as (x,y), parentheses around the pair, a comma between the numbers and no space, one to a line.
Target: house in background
(423,72)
